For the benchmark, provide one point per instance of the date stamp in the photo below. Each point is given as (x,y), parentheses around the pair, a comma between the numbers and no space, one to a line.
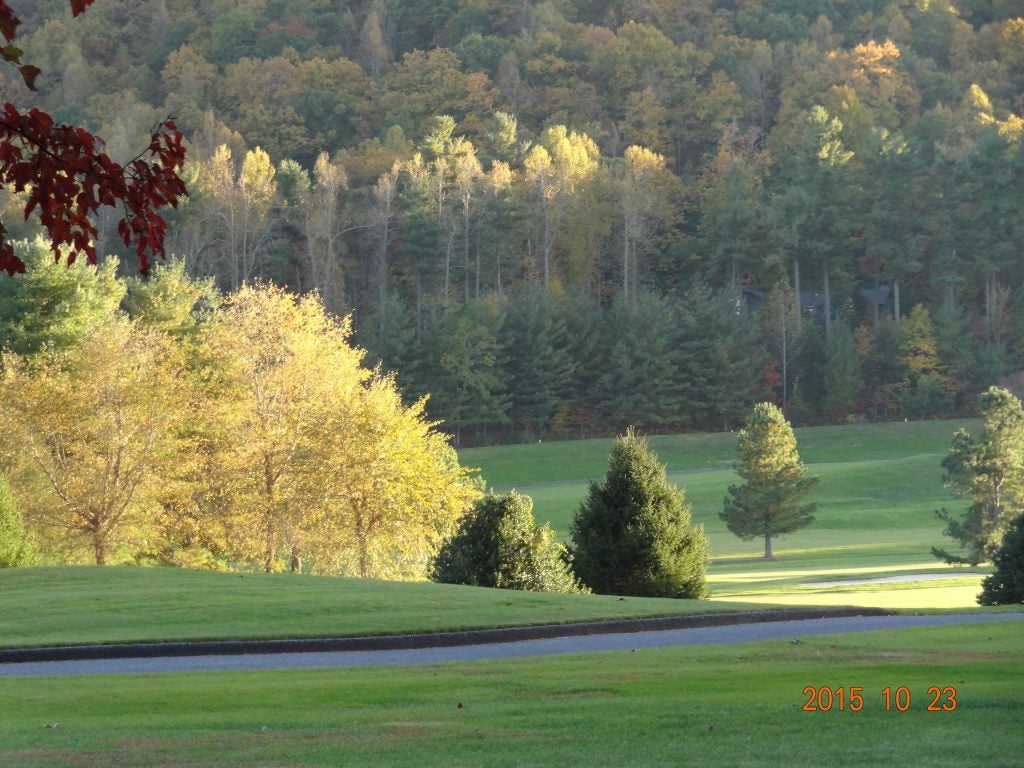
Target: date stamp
(894,699)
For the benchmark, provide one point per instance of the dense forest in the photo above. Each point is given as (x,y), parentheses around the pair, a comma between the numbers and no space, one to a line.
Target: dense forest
(561,218)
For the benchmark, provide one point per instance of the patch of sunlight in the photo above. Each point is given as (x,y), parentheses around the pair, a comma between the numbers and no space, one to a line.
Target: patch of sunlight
(964,596)
(864,571)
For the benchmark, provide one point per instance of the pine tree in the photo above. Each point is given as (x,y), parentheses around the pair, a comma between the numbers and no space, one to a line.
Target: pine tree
(842,377)
(768,503)
(633,536)
(989,469)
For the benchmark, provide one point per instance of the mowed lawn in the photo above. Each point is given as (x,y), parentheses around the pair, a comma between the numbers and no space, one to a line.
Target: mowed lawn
(880,486)
(738,706)
(71,605)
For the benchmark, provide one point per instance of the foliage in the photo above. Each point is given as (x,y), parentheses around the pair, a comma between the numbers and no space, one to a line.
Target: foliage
(1005,585)
(632,535)
(68,176)
(499,544)
(16,547)
(88,438)
(768,503)
(170,300)
(309,455)
(52,303)
(990,470)
(870,160)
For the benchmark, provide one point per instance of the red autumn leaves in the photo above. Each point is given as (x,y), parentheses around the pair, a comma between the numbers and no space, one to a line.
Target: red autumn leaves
(68,176)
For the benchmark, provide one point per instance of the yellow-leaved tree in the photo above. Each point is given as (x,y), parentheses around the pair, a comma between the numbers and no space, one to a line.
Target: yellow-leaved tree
(90,431)
(311,457)
(393,487)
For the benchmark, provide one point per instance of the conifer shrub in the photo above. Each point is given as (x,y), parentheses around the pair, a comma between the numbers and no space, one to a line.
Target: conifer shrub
(499,544)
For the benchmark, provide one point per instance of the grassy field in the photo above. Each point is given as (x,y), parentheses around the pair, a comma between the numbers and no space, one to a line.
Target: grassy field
(880,486)
(72,605)
(738,706)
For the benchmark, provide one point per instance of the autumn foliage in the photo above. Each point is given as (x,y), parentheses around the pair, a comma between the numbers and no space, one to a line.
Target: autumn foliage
(69,176)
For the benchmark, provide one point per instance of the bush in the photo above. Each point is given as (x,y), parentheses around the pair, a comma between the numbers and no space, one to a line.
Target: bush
(632,536)
(1005,585)
(499,544)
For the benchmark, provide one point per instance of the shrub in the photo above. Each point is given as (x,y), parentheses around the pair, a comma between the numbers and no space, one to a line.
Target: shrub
(499,544)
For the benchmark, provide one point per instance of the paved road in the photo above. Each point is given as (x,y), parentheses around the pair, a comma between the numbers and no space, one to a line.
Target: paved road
(738,633)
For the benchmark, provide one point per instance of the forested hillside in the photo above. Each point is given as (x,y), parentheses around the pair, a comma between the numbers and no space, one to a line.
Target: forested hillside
(560,218)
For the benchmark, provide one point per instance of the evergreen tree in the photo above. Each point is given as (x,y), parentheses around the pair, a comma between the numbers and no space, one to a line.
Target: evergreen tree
(538,365)
(641,382)
(170,300)
(1005,585)
(499,544)
(719,359)
(989,469)
(768,503)
(55,303)
(461,370)
(633,536)
(842,376)
(15,545)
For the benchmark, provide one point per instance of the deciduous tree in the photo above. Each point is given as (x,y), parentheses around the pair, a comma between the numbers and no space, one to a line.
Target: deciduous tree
(94,426)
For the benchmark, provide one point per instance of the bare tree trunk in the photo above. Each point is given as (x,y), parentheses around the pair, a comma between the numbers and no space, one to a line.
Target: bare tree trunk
(896,302)
(767,546)
(796,295)
(828,299)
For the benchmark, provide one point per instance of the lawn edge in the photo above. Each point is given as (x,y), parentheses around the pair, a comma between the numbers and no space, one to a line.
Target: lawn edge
(420,640)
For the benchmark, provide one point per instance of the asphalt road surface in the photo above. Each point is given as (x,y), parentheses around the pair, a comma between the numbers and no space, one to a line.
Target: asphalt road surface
(737,633)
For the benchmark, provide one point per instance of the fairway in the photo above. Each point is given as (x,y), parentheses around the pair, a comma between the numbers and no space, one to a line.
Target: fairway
(732,706)
(880,486)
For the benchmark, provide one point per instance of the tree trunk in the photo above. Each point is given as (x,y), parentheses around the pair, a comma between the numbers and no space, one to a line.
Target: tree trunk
(99,547)
(796,295)
(295,564)
(828,299)
(625,261)
(768,546)
(361,546)
(271,546)
(896,302)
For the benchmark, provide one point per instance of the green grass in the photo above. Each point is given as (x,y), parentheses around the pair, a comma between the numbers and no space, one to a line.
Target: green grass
(71,605)
(880,486)
(515,465)
(737,706)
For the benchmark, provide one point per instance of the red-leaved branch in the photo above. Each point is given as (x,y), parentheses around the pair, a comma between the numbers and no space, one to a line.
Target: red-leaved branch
(68,176)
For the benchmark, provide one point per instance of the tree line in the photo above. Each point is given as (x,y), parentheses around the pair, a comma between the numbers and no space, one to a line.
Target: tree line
(433,168)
